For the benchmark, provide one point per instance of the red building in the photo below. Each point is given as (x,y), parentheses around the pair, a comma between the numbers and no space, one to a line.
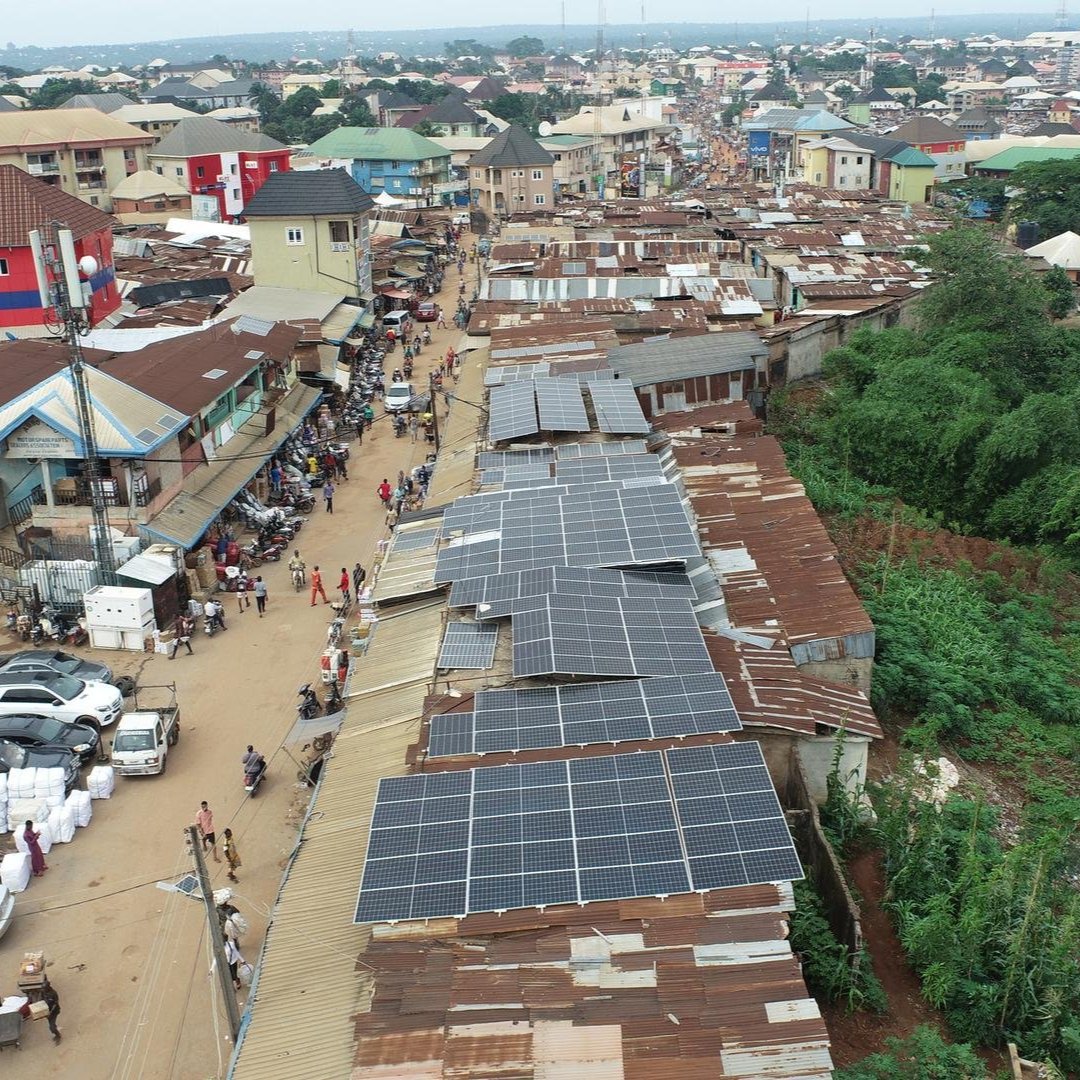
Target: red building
(211,158)
(28,203)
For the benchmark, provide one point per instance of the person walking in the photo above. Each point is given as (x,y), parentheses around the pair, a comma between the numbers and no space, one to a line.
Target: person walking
(343,585)
(317,586)
(183,628)
(330,465)
(234,960)
(232,856)
(440,321)
(52,999)
(414,425)
(243,601)
(37,856)
(260,595)
(275,478)
(204,819)
(358,575)
(328,496)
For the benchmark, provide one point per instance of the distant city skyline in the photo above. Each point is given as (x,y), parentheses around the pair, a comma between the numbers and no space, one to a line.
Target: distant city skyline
(50,23)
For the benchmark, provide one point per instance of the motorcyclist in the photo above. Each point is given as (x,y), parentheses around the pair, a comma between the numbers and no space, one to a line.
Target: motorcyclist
(297,563)
(254,763)
(214,613)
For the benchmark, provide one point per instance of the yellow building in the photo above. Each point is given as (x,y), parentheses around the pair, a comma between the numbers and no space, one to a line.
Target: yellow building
(859,162)
(309,230)
(82,151)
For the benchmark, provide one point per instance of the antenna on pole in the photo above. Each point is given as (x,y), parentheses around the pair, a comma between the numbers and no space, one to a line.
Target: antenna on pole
(933,25)
(598,104)
(61,288)
(643,31)
(563,48)
(1061,22)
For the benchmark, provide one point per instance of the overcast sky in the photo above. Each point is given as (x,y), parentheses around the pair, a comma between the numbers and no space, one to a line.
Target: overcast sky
(62,22)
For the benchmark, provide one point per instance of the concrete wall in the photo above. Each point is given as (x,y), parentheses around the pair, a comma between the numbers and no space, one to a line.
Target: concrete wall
(849,670)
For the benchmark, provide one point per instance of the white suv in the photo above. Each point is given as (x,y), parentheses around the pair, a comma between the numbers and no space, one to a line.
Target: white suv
(50,693)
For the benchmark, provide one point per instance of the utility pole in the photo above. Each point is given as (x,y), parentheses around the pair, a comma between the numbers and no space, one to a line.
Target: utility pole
(434,410)
(217,940)
(61,290)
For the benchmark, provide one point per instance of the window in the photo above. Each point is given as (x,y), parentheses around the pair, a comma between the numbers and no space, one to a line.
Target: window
(478,174)
(294,236)
(200,171)
(179,170)
(843,160)
(817,178)
(496,176)
(236,193)
(273,166)
(339,232)
(843,180)
(858,160)
(539,200)
(3,268)
(517,174)
(159,170)
(558,157)
(538,174)
(232,169)
(395,164)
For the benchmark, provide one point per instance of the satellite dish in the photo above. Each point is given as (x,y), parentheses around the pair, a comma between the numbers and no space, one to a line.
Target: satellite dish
(545,129)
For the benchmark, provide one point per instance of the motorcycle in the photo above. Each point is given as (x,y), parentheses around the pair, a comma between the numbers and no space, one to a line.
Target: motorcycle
(309,705)
(212,624)
(298,578)
(253,778)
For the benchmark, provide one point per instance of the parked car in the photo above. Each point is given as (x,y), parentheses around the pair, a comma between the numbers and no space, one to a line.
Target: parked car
(398,396)
(13,756)
(63,697)
(427,312)
(56,660)
(397,320)
(48,733)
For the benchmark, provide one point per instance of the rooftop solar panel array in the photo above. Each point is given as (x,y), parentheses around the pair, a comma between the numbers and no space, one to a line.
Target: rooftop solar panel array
(612,527)
(509,720)
(498,459)
(602,828)
(508,373)
(587,581)
(617,407)
(561,405)
(599,449)
(567,634)
(468,645)
(512,412)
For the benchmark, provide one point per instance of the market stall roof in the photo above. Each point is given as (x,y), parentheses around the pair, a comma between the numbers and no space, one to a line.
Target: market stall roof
(146,568)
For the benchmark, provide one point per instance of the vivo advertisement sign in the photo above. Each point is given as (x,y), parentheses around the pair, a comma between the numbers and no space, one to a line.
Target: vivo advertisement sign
(758,146)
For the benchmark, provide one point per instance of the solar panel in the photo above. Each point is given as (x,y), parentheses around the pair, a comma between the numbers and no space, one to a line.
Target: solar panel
(598,469)
(518,474)
(528,530)
(468,645)
(600,449)
(617,407)
(497,375)
(513,412)
(495,591)
(448,844)
(561,405)
(568,634)
(533,455)
(508,720)
(414,539)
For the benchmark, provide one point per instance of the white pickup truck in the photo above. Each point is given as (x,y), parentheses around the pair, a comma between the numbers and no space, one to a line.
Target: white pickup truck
(145,735)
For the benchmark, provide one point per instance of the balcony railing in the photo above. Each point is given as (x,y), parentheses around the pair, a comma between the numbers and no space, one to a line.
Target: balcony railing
(43,168)
(91,185)
(76,491)
(144,496)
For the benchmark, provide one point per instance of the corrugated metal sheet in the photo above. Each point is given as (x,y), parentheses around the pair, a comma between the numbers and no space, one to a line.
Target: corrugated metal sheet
(312,944)
(455,473)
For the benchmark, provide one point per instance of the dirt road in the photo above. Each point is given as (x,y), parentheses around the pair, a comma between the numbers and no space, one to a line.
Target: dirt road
(129,960)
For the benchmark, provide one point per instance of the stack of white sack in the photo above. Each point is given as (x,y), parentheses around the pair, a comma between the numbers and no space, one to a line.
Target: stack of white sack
(20,811)
(45,838)
(62,824)
(15,871)
(100,782)
(78,802)
(22,784)
(49,784)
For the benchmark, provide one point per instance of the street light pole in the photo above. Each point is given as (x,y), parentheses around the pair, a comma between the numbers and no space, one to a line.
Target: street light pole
(60,288)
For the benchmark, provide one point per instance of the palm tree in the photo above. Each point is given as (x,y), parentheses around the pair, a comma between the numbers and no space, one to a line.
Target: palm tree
(263,98)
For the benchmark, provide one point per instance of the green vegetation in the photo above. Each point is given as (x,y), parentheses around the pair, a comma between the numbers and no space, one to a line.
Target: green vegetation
(968,422)
(525,46)
(55,92)
(292,121)
(1049,193)
(924,1055)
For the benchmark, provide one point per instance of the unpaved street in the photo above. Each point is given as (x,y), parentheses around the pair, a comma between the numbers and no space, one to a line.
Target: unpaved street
(130,961)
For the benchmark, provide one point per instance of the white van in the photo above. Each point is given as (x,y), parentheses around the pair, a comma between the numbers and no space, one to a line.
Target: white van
(396,320)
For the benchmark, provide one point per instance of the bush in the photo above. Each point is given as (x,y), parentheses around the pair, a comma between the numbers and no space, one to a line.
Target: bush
(923,1055)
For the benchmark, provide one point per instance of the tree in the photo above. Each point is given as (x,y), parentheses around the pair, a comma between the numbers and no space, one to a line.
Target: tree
(1062,293)
(357,112)
(265,100)
(894,75)
(333,88)
(427,129)
(525,46)
(929,88)
(1049,193)
(468,47)
(56,91)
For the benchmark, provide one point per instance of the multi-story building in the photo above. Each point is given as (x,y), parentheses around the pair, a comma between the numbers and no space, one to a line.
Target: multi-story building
(573,155)
(858,162)
(944,144)
(309,230)
(81,151)
(28,203)
(157,119)
(215,159)
(512,174)
(395,160)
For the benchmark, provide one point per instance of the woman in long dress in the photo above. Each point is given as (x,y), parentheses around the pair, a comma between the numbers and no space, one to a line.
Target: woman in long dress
(37,859)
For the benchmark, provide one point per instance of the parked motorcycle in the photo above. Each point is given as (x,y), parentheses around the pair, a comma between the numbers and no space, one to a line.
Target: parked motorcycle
(308,705)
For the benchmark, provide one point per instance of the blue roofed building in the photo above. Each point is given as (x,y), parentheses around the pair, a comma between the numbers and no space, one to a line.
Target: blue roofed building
(777,138)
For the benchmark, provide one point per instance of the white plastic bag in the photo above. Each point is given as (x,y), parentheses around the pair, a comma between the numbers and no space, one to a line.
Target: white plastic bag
(79,803)
(15,871)
(100,782)
(62,825)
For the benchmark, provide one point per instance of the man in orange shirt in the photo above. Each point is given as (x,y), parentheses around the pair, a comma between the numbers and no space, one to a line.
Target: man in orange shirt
(205,820)
(317,586)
